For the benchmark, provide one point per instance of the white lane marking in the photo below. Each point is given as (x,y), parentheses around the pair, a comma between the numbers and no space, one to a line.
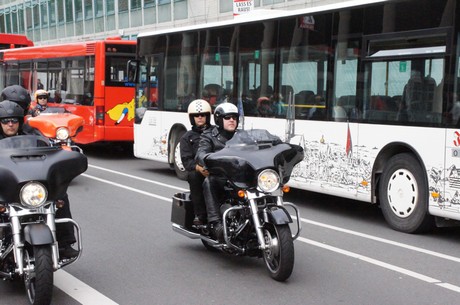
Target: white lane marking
(382,240)
(79,291)
(369,260)
(312,222)
(127,187)
(138,178)
(342,251)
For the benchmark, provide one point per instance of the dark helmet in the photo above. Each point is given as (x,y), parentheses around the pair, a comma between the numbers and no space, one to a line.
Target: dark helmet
(199,106)
(18,94)
(223,110)
(9,109)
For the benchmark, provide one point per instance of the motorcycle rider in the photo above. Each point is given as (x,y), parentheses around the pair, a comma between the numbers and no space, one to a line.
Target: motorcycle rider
(199,112)
(17,94)
(12,121)
(226,118)
(41,98)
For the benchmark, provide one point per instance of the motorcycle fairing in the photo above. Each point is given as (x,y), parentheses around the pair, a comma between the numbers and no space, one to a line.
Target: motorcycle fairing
(249,152)
(53,167)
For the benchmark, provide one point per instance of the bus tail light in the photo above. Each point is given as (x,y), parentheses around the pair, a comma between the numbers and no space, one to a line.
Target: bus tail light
(99,115)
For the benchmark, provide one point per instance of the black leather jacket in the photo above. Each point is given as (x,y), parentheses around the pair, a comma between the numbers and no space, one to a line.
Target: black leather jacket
(189,146)
(212,140)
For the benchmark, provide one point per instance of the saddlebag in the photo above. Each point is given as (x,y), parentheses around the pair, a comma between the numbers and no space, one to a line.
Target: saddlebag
(182,210)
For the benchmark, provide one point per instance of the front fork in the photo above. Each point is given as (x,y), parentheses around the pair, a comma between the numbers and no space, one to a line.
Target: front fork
(18,239)
(257,225)
(252,199)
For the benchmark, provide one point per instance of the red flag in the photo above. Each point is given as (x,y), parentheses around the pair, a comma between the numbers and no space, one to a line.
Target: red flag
(349,148)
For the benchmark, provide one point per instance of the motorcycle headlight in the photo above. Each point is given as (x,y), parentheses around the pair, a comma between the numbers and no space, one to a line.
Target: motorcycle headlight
(62,133)
(33,194)
(268,180)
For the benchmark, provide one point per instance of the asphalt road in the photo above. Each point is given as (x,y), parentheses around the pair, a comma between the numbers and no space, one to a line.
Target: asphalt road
(346,253)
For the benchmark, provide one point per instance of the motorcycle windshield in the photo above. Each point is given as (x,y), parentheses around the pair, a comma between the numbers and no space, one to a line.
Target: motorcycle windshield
(251,151)
(27,158)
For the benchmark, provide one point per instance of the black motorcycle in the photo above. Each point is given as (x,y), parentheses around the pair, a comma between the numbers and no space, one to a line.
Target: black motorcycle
(257,166)
(34,176)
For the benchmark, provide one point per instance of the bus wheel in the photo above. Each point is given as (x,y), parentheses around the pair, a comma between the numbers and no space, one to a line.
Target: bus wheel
(179,168)
(403,194)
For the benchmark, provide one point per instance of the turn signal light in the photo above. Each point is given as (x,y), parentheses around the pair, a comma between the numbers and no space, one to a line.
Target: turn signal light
(286,189)
(2,208)
(60,203)
(241,194)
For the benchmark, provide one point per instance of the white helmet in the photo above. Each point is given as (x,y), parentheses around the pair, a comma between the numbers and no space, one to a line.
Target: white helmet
(223,110)
(40,92)
(199,106)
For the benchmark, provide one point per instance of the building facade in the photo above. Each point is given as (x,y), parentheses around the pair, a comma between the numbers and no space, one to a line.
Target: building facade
(55,21)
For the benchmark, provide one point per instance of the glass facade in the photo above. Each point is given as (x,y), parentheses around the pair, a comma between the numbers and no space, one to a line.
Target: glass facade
(51,21)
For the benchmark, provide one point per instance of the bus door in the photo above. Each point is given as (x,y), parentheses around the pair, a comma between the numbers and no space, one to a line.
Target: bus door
(406,79)
(117,111)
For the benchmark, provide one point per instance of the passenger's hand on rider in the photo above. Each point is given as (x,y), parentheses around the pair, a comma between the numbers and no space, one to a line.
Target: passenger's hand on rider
(202,170)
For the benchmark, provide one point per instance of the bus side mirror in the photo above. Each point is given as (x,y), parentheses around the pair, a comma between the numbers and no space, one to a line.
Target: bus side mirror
(132,68)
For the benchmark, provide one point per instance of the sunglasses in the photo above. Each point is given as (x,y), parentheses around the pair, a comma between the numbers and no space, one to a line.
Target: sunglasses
(9,120)
(43,97)
(230,116)
(197,115)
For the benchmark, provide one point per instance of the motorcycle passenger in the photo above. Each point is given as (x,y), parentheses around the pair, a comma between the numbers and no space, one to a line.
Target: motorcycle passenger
(212,140)
(41,97)
(199,112)
(12,121)
(17,94)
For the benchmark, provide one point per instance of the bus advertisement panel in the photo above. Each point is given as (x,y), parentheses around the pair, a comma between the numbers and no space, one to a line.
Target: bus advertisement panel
(368,88)
(87,78)
(12,41)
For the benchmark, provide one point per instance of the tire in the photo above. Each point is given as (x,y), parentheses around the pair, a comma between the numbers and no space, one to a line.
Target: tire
(181,173)
(403,195)
(279,255)
(39,282)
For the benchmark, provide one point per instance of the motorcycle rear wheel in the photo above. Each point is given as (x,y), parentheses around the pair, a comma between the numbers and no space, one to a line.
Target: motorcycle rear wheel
(279,255)
(39,282)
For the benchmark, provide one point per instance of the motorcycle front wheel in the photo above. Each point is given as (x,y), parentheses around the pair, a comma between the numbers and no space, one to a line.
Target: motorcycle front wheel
(279,254)
(38,274)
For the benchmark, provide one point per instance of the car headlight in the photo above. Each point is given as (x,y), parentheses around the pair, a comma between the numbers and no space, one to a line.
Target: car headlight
(62,133)
(33,194)
(268,180)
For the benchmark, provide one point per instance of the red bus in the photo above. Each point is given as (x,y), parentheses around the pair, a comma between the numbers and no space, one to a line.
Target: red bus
(12,41)
(87,78)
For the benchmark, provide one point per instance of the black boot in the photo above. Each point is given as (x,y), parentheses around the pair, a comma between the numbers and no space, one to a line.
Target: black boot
(199,220)
(68,252)
(218,231)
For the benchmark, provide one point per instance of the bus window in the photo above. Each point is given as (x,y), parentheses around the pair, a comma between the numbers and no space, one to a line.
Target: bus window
(257,75)
(55,76)
(181,78)
(346,103)
(217,66)
(407,89)
(75,81)
(303,82)
(12,73)
(116,71)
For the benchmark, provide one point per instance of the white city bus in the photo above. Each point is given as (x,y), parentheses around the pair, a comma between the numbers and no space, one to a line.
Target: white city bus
(373,86)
